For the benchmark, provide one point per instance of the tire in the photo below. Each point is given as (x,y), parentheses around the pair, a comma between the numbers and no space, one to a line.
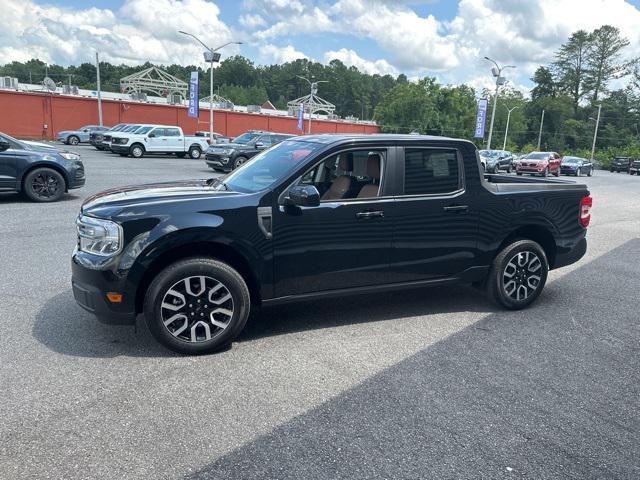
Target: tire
(227,302)
(509,169)
(44,185)
(589,172)
(73,140)
(136,150)
(577,172)
(181,155)
(519,174)
(611,170)
(528,274)
(545,173)
(239,161)
(195,152)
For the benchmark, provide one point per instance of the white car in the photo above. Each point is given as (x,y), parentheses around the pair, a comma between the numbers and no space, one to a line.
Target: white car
(158,139)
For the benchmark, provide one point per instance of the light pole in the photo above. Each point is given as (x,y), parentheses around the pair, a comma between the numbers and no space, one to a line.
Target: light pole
(506,130)
(500,80)
(211,56)
(98,90)
(595,133)
(314,90)
(540,132)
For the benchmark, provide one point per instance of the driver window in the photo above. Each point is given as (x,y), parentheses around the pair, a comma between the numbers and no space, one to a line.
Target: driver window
(347,175)
(158,132)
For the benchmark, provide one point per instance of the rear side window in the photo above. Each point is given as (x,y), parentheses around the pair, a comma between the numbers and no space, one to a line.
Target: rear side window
(430,171)
(172,132)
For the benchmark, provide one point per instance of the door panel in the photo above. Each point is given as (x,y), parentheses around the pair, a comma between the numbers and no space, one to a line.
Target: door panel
(8,169)
(335,245)
(159,143)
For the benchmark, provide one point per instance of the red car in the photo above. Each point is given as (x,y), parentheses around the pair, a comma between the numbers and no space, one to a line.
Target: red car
(539,163)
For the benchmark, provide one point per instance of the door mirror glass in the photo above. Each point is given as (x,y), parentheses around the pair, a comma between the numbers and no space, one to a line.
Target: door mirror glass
(4,145)
(259,145)
(152,135)
(304,196)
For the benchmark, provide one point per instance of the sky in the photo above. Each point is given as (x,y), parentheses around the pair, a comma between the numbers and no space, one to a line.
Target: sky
(446,39)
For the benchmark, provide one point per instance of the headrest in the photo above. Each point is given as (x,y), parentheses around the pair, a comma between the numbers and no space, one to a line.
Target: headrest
(346,162)
(373,165)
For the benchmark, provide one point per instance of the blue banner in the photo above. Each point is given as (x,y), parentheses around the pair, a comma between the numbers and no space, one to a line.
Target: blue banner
(480,118)
(300,117)
(193,96)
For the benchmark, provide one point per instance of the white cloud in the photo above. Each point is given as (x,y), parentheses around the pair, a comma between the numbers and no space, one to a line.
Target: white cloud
(142,30)
(351,58)
(251,21)
(273,54)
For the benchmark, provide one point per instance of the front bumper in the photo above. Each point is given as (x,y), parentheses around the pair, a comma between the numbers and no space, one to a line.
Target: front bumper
(568,171)
(90,288)
(115,148)
(219,162)
(536,170)
(76,177)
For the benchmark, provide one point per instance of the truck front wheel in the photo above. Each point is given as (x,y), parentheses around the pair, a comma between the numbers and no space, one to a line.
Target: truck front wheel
(197,305)
(136,150)
(195,152)
(518,274)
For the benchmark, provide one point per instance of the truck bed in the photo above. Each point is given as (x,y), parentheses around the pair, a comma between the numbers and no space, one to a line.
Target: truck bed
(511,184)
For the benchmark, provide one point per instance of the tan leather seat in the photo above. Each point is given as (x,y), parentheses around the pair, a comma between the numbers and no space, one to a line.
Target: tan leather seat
(374,163)
(341,186)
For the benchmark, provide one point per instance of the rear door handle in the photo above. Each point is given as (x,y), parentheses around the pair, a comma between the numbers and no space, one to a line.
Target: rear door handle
(368,214)
(456,208)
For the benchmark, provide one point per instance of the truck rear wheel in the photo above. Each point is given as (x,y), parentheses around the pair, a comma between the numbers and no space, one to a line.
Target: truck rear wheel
(195,152)
(518,274)
(197,306)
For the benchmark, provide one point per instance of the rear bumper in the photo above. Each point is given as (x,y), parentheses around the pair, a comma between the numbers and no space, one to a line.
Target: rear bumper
(572,255)
(90,288)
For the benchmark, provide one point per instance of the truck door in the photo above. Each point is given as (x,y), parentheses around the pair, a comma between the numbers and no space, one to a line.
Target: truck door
(435,221)
(346,240)
(175,140)
(157,140)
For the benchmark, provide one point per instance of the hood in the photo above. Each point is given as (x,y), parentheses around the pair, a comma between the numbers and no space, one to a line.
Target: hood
(66,132)
(40,146)
(535,160)
(115,199)
(231,145)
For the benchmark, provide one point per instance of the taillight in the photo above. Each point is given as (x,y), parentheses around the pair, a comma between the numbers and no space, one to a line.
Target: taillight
(585,211)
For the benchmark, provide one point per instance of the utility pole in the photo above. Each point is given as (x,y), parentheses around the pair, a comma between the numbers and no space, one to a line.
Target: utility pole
(211,56)
(314,90)
(595,133)
(506,130)
(540,133)
(500,80)
(98,89)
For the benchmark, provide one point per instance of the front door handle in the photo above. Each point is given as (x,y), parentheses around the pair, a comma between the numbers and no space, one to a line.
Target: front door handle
(456,208)
(369,214)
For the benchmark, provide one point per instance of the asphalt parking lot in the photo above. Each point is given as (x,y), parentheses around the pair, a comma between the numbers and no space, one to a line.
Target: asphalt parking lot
(422,384)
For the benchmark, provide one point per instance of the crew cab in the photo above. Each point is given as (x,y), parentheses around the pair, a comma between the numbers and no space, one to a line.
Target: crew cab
(157,139)
(227,157)
(315,217)
(539,163)
(42,172)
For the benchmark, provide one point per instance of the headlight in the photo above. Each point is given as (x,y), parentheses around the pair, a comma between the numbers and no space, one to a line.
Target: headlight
(70,156)
(99,237)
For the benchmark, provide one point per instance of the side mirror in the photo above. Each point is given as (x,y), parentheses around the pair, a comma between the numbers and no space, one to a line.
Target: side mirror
(86,130)
(4,145)
(259,145)
(304,196)
(151,135)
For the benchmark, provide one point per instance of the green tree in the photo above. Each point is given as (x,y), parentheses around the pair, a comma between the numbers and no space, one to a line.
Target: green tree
(604,59)
(571,66)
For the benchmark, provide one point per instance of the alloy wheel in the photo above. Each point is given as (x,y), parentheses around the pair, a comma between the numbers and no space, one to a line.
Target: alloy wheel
(45,185)
(521,276)
(197,309)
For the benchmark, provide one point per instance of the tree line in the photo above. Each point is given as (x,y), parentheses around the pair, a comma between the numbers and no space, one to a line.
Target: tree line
(587,70)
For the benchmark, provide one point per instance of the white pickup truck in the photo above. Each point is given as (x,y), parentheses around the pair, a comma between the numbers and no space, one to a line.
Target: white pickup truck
(158,139)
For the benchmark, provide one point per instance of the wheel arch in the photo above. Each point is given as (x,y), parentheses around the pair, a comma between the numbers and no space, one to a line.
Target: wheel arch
(539,234)
(215,250)
(52,166)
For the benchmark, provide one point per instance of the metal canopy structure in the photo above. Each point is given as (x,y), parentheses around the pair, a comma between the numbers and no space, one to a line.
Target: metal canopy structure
(219,102)
(312,104)
(153,80)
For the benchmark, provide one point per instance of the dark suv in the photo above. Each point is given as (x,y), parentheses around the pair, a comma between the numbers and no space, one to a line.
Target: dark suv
(634,168)
(229,156)
(620,164)
(41,172)
(320,216)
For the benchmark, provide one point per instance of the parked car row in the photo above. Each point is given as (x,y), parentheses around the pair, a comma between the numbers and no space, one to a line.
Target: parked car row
(534,163)
(625,164)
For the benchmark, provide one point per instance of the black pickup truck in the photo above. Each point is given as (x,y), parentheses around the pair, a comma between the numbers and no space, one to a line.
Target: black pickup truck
(320,216)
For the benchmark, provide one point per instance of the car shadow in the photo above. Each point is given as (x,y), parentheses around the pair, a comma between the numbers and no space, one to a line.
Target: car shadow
(64,327)
(546,392)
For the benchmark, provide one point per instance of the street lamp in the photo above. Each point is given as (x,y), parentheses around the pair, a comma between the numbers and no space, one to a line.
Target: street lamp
(314,90)
(211,56)
(500,80)
(595,132)
(506,130)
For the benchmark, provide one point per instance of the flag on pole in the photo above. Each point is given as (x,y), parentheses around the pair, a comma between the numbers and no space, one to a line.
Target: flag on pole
(480,118)
(300,117)
(193,96)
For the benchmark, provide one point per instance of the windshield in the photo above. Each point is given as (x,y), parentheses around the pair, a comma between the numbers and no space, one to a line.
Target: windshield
(537,156)
(245,138)
(269,166)
(131,128)
(143,129)
(571,160)
(489,153)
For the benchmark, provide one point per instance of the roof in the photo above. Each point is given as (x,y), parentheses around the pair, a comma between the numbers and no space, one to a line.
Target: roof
(330,138)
